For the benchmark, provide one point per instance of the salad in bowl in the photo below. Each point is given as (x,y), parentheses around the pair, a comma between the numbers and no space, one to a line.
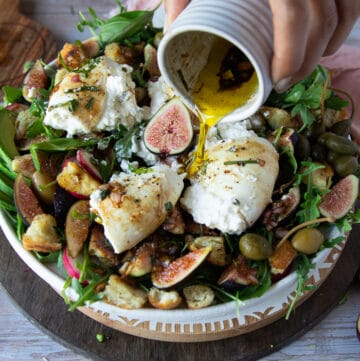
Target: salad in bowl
(97,197)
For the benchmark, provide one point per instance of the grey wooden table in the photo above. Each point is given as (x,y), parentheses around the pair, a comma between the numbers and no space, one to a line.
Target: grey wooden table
(332,339)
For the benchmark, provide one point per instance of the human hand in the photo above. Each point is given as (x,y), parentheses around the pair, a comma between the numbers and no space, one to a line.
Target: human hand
(172,9)
(304,31)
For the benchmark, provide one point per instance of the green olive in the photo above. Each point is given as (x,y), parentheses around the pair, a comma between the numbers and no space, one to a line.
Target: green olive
(255,247)
(331,156)
(338,143)
(345,165)
(302,148)
(307,240)
(318,152)
(342,127)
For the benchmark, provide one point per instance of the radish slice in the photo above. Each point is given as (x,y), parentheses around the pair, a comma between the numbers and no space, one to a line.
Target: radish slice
(70,266)
(84,159)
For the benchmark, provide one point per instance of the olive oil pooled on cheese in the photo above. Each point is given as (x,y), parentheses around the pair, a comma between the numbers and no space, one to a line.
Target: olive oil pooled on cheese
(226,83)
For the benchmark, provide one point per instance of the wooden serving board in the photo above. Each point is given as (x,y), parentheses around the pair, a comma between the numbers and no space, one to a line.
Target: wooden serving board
(22,40)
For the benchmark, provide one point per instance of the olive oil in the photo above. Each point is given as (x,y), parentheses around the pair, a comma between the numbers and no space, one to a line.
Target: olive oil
(214,101)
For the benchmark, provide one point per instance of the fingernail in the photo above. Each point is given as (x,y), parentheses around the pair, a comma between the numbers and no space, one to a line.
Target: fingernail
(283,84)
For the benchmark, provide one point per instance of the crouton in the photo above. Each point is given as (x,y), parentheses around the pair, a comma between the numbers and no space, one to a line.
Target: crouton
(198,296)
(73,56)
(123,295)
(282,257)
(100,247)
(119,54)
(76,180)
(164,300)
(41,236)
(217,256)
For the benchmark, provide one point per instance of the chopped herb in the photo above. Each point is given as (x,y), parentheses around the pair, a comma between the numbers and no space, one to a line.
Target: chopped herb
(90,103)
(79,216)
(236,202)
(90,88)
(168,207)
(100,337)
(244,162)
(104,193)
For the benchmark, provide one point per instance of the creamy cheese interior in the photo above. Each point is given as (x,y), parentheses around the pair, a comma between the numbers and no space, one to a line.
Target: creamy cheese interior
(93,101)
(229,195)
(132,206)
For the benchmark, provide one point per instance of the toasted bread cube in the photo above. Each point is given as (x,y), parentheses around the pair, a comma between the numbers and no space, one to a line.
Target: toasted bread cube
(124,295)
(164,300)
(76,180)
(73,55)
(100,247)
(198,296)
(217,256)
(41,236)
(282,257)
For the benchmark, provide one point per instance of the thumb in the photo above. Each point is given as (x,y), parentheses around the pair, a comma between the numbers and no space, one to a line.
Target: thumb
(172,9)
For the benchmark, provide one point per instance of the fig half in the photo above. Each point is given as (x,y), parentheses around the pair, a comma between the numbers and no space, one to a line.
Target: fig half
(170,131)
(341,198)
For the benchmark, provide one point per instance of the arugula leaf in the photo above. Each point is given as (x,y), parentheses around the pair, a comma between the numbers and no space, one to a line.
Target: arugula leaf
(11,94)
(312,196)
(124,25)
(118,28)
(306,96)
(59,145)
(264,278)
(123,145)
(303,267)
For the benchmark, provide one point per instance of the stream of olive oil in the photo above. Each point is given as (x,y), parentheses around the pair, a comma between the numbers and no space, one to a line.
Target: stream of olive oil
(213,104)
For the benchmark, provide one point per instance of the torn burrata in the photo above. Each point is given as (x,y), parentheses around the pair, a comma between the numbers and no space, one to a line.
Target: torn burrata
(132,206)
(235,183)
(95,98)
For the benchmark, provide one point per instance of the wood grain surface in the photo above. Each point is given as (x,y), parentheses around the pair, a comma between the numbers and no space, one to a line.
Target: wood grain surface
(75,335)
(21,40)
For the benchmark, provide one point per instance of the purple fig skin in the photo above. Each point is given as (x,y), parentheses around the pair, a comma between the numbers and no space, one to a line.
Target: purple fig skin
(341,198)
(84,159)
(358,327)
(170,131)
(27,204)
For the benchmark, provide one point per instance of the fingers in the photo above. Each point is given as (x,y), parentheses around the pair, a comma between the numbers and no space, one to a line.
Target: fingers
(172,9)
(291,29)
(348,11)
(302,32)
(324,21)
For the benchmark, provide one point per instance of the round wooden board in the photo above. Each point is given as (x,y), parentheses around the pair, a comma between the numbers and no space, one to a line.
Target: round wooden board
(73,329)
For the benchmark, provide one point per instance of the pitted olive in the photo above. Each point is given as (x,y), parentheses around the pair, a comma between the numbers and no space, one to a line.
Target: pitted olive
(342,128)
(318,152)
(307,240)
(255,247)
(338,143)
(345,165)
(302,147)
